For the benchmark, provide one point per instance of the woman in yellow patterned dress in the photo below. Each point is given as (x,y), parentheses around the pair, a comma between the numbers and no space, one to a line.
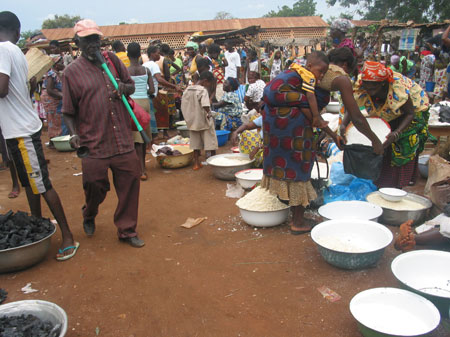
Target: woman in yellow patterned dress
(404,105)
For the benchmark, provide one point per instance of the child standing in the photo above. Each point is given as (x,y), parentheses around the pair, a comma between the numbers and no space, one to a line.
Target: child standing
(195,105)
(316,67)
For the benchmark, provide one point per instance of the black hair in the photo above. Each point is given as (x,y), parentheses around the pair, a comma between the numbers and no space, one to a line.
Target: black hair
(318,56)
(252,52)
(164,48)
(214,48)
(117,45)
(9,21)
(233,83)
(152,50)
(54,43)
(134,50)
(171,52)
(208,76)
(342,55)
(202,62)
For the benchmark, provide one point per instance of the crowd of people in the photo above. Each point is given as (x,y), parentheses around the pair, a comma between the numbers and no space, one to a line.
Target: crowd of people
(212,89)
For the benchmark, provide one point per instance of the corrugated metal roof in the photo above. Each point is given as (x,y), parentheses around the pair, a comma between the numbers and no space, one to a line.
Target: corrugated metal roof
(364,23)
(209,26)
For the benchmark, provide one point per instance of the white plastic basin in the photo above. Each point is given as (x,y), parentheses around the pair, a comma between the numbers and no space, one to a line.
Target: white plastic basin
(354,209)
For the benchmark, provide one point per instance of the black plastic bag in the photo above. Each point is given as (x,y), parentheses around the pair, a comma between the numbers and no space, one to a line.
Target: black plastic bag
(362,162)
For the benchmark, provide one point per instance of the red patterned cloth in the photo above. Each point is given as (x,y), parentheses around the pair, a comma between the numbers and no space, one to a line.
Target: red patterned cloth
(397,176)
(376,72)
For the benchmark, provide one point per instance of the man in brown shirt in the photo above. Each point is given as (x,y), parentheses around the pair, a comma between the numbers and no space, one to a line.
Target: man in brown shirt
(97,118)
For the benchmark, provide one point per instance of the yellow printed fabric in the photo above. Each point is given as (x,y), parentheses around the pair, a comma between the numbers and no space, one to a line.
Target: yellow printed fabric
(124,58)
(308,78)
(398,94)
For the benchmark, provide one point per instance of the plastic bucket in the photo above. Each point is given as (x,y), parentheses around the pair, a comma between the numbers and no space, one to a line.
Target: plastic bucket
(429,86)
(222,137)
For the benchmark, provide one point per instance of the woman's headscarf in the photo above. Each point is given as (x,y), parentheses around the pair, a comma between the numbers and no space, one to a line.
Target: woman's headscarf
(192,44)
(343,25)
(376,72)
(395,59)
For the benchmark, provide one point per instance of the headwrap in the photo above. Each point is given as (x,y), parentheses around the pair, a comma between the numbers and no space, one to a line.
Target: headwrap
(192,44)
(376,72)
(343,25)
(395,59)
(209,41)
(425,52)
(233,82)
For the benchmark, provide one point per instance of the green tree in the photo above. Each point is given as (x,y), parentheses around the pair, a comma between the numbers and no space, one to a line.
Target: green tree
(300,8)
(223,16)
(417,10)
(61,21)
(26,34)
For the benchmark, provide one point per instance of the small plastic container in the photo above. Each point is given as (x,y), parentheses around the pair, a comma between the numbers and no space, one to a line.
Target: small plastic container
(222,137)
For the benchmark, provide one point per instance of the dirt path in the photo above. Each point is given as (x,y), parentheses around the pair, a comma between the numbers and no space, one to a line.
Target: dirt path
(222,278)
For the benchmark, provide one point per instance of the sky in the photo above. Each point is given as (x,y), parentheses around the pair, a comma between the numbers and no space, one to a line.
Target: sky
(111,12)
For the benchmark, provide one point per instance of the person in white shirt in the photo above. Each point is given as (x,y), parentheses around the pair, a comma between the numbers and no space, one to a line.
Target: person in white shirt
(234,62)
(21,128)
(255,91)
(252,62)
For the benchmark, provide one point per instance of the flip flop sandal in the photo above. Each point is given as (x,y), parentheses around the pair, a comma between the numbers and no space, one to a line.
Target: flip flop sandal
(13,194)
(61,257)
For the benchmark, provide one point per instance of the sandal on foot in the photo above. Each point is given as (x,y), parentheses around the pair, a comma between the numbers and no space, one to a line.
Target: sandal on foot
(61,257)
(144,176)
(13,194)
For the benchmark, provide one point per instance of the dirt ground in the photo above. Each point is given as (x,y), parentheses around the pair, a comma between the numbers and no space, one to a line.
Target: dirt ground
(221,278)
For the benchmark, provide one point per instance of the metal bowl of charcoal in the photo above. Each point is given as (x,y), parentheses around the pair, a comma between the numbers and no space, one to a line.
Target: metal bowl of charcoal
(24,240)
(32,318)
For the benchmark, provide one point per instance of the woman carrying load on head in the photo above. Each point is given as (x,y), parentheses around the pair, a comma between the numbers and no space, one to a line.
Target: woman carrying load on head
(404,105)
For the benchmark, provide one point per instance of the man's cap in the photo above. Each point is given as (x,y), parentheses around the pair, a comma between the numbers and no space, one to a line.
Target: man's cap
(86,27)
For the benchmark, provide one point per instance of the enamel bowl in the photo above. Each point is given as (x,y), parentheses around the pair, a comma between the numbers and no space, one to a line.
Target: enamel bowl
(393,312)
(427,273)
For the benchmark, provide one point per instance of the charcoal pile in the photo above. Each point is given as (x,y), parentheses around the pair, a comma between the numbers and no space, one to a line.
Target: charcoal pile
(18,229)
(27,325)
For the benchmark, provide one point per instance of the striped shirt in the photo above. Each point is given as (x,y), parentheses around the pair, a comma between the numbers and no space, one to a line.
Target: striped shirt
(102,121)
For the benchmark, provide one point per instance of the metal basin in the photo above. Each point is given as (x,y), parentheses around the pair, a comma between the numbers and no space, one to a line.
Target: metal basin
(46,311)
(22,257)
(392,312)
(427,273)
(394,217)
(350,243)
(171,162)
(228,172)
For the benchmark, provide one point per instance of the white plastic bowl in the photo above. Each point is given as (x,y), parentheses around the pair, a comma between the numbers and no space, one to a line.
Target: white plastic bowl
(354,209)
(426,272)
(392,194)
(249,178)
(264,219)
(393,312)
